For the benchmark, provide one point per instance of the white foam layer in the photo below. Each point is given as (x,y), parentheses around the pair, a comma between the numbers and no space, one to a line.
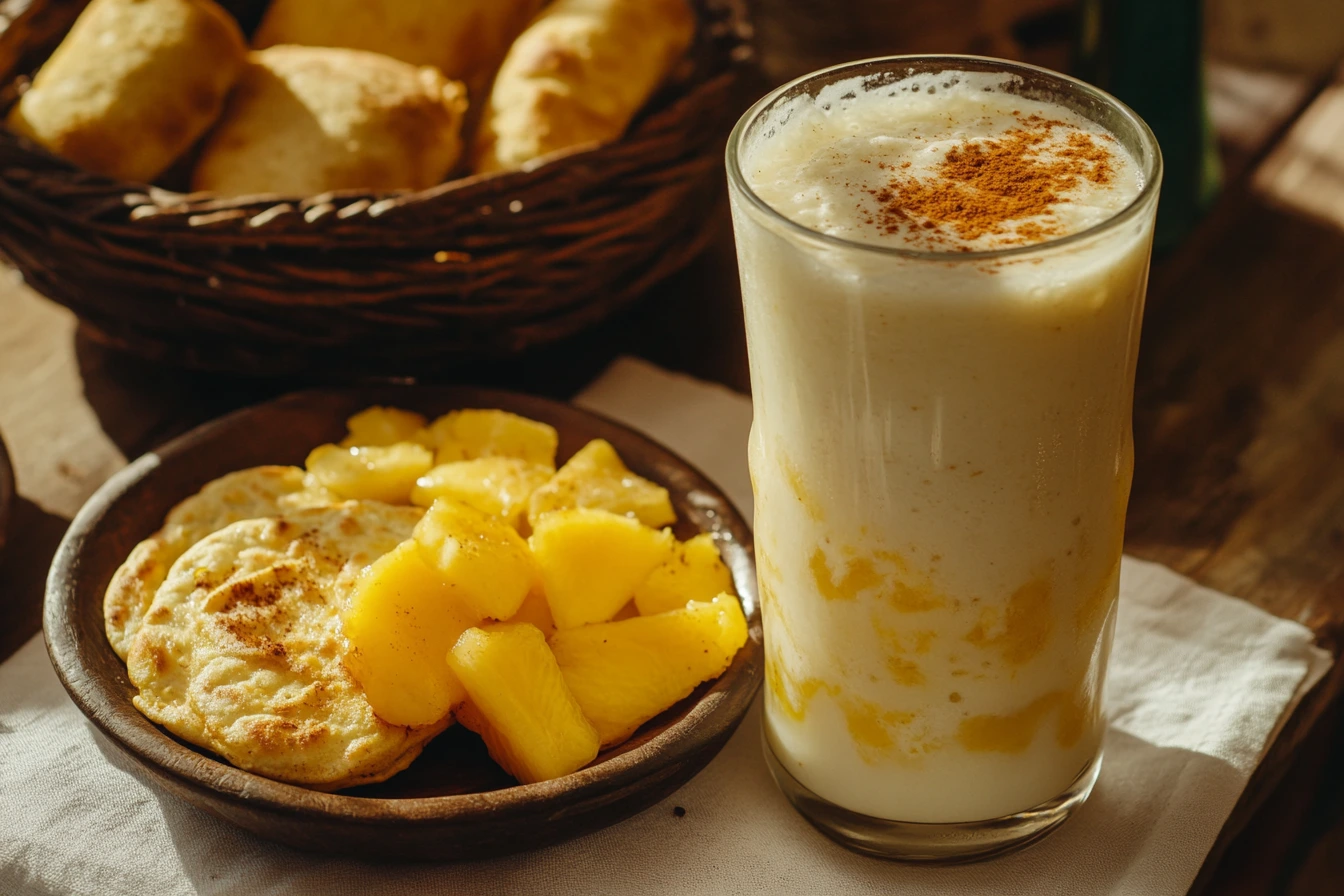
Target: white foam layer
(825,162)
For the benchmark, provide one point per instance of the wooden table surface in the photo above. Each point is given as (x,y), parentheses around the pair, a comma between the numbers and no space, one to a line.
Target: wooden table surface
(1239,428)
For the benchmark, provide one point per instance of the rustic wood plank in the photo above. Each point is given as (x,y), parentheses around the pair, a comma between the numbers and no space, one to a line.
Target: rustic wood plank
(1305,173)
(1239,429)
(1289,35)
(1240,410)
(1247,107)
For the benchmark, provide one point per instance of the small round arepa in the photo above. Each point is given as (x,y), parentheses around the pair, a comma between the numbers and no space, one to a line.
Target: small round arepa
(305,120)
(241,495)
(242,650)
(133,85)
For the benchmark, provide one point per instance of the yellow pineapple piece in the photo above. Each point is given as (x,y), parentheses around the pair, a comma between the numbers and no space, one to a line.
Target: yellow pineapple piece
(370,473)
(480,556)
(401,620)
(593,560)
(499,486)
(625,673)
(695,572)
(469,434)
(596,477)
(378,425)
(535,611)
(519,703)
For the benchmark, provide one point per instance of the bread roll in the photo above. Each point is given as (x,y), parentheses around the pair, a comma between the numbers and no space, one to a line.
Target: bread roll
(464,39)
(305,120)
(133,84)
(578,74)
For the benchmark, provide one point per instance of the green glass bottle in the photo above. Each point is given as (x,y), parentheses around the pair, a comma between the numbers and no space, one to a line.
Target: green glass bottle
(1150,54)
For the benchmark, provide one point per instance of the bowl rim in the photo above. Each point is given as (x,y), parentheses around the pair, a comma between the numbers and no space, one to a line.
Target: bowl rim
(714,714)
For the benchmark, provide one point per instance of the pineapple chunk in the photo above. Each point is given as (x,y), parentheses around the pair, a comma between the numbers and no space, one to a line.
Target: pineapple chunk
(469,434)
(401,620)
(480,556)
(385,426)
(625,673)
(373,473)
(499,486)
(520,705)
(593,560)
(596,477)
(535,611)
(695,572)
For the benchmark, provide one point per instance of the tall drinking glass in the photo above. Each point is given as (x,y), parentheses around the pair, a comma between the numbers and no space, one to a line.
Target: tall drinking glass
(943,265)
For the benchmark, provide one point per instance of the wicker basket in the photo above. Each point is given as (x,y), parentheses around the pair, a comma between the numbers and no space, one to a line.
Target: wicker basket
(356,283)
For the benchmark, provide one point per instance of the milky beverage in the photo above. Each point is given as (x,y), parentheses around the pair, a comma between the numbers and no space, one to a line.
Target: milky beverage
(941,451)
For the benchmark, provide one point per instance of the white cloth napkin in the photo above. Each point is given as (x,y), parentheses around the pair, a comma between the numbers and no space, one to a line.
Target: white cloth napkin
(1199,682)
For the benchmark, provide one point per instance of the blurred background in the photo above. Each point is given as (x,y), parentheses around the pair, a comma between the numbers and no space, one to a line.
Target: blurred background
(1290,35)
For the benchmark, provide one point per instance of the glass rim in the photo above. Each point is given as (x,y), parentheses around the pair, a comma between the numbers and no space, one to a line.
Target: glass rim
(1152,173)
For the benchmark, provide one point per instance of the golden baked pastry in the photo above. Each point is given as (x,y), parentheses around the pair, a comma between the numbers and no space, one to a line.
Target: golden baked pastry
(242,650)
(464,39)
(133,85)
(578,74)
(305,120)
(241,495)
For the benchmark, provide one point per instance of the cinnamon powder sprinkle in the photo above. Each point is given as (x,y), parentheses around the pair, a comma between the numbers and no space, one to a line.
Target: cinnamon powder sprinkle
(982,187)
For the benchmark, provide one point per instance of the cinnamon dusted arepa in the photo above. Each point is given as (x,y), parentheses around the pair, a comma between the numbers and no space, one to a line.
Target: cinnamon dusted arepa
(241,495)
(242,650)
(305,120)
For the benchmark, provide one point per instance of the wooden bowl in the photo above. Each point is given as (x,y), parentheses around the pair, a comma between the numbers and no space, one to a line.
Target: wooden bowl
(453,802)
